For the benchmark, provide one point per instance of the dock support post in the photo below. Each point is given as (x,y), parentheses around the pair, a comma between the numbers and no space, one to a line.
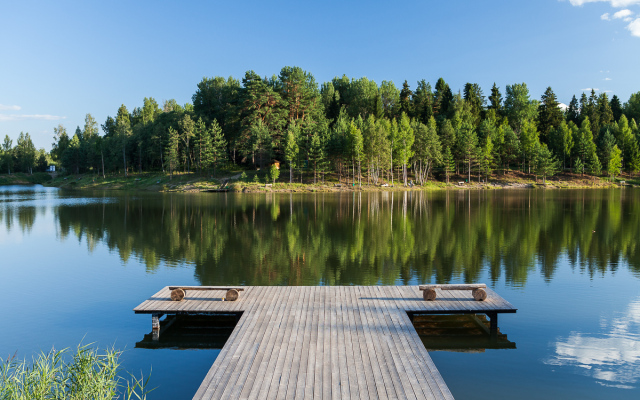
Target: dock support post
(493,323)
(155,326)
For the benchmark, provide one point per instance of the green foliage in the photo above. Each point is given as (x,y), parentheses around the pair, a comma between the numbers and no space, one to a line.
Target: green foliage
(549,114)
(274,173)
(85,374)
(248,123)
(546,163)
(518,106)
(615,162)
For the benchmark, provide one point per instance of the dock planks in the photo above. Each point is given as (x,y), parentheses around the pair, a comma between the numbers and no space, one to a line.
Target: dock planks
(324,342)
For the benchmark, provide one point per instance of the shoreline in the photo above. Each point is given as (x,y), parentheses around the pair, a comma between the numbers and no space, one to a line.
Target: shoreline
(190,182)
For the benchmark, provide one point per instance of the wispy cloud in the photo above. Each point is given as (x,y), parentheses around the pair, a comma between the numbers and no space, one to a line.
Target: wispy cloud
(590,89)
(624,15)
(614,3)
(607,79)
(21,117)
(12,108)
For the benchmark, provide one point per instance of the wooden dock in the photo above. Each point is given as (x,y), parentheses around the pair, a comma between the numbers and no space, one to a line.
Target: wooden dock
(324,342)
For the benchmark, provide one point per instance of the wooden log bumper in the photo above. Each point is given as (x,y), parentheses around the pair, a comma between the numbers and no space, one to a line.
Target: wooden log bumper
(477,290)
(179,292)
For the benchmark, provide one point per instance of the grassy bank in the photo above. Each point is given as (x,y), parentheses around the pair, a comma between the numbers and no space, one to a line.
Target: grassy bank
(255,182)
(25,179)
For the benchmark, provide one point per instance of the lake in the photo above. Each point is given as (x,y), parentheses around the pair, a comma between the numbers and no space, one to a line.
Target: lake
(74,265)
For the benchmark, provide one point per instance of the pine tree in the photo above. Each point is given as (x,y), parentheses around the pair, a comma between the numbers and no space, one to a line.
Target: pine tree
(578,166)
(573,111)
(218,146)
(511,147)
(448,163)
(171,151)
(291,149)
(616,108)
(495,99)
(405,100)
(422,102)
(467,145)
(604,110)
(607,143)
(615,162)
(549,114)
(529,141)
(316,154)
(357,149)
(546,163)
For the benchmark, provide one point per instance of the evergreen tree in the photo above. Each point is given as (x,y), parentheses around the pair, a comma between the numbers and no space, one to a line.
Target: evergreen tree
(632,107)
(511,148)
(561,140)
(291,149)
(606,145)
(442,99)
(448,163)
(546,163)
(616,107)
(405,100)
(529,142)
(604,110)
(519,107)
(171,151)
(485,162)
(578,166)
(316,154)
(573,111)
(467,145)
(218,146)
(549,115)
(495,100)
(422,102)
(615,162)
(475,100)
(357,149)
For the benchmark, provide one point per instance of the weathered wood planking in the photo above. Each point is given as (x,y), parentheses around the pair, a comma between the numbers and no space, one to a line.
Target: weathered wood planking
(329,342)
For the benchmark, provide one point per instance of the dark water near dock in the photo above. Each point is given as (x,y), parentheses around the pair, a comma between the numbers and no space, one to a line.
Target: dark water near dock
(74,264)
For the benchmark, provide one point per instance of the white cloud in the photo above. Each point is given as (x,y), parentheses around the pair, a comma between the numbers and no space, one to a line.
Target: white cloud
(20,117)
(611,357)
(12,108)
(607,79)
(590,89)
(623,15)
(634,27)
(605,17)
(614,3)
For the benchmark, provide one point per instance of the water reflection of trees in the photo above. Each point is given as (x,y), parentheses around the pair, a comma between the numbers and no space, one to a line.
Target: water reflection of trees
(368,238)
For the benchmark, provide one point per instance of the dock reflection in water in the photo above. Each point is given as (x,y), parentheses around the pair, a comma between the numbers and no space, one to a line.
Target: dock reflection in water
(468,333)
(182,332)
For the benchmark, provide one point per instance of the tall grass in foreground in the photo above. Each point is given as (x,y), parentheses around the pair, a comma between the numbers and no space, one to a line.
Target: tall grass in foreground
(60,374)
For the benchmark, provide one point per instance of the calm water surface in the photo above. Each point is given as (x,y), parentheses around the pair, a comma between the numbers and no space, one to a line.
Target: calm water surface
(74,264)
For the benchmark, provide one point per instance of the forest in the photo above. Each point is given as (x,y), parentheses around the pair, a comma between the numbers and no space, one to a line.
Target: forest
(356,129)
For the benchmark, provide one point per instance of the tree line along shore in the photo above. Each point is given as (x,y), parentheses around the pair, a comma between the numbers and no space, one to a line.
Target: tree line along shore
(352,130)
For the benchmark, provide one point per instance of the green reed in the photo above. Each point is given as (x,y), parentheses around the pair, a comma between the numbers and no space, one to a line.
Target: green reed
(85,374)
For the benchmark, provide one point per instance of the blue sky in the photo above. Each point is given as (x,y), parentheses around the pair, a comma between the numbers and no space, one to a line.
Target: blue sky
(61,60)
